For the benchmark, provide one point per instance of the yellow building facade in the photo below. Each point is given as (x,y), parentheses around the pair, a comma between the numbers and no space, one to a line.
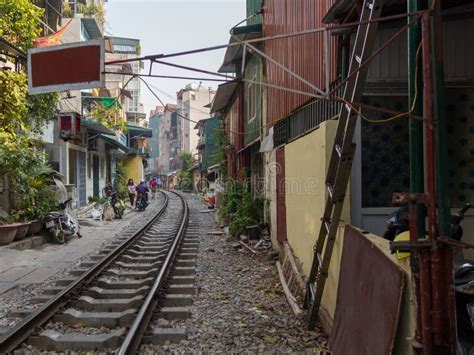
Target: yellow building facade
(134,166)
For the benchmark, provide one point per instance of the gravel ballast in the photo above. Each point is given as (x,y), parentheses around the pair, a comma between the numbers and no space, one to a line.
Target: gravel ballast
(239,305)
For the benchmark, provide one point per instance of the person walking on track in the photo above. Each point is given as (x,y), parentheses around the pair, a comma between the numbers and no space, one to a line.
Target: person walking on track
(132,191)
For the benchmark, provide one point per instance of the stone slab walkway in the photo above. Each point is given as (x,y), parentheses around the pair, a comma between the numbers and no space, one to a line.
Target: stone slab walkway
(33,266)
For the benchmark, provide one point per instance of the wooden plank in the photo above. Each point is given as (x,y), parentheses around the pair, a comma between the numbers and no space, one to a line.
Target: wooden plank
(289,297)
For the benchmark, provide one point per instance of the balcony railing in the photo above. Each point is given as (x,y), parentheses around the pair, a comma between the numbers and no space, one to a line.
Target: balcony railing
(72,8)
(307,118)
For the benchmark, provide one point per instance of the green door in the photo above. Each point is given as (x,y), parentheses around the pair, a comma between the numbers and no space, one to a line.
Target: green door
(95,175)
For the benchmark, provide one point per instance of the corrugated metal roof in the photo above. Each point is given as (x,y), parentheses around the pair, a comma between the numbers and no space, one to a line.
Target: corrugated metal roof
(94,126)
(112,139)
(143,131)
(341,8)
(92,27)
(124,45)
(234,54)
(224,94)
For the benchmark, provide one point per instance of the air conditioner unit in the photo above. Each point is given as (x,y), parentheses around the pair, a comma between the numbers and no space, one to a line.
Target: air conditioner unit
(69,125)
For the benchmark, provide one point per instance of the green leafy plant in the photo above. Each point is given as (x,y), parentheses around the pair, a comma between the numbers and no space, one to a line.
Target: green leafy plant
(94,9)
(29,189)
(20,111)
(98,199)
(20,22)
(239,208)
(185,177)
(109,115)
(120,181)
(22,117)
(67,10)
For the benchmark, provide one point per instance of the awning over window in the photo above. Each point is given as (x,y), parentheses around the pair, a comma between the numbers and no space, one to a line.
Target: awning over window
(139,131)
(106,102)
(225,93)
(92,27)
(112,139)
(96,127)
(234,54)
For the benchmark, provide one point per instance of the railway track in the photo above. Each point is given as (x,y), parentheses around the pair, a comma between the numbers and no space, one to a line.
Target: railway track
(110,307)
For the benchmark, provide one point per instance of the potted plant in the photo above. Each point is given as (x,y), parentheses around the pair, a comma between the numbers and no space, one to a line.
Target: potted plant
(18,216)
(7,230)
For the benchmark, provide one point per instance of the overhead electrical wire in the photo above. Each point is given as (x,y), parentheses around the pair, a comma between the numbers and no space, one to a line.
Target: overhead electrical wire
(354,106)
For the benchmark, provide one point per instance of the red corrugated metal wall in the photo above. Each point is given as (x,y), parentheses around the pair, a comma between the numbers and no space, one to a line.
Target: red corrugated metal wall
(302,54)
(232,132)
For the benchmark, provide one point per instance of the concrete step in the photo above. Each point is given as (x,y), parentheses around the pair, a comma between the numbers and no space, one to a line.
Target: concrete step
(173,313)
(107,305)
(139,275)
(161,336)
(139,259)
(181,289)
(52,340)
(123,284)
(177,279)
(138,266)
(65,281)
(75,317)
(184,271)
(186,262)
(150,250)
(137,253)
(101,293)
(187,256)
(189,250)
(176,300)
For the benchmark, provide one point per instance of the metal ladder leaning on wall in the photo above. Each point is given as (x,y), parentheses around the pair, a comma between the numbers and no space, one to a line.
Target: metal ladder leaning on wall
(340,165)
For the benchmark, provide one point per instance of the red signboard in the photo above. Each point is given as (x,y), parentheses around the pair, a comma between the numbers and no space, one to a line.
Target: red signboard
(72,66)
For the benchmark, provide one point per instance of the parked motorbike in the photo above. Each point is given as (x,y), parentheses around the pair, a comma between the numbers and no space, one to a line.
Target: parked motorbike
(463,275)
(60,224)
(142,202)
(117,204)
(397,223)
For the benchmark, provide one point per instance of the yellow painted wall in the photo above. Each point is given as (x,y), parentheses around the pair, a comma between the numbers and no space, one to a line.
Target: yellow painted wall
(306,161)
(134,167)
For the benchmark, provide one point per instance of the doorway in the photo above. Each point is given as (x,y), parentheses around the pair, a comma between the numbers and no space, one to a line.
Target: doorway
(95,175)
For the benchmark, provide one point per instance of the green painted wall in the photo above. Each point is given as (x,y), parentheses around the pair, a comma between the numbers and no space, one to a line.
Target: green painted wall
(252,7)
(211,154)
(252,125)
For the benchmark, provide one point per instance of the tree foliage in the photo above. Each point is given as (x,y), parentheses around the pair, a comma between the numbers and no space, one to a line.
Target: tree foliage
(30,193)
(120,181)
(20,22)
(22,117)
(185,177)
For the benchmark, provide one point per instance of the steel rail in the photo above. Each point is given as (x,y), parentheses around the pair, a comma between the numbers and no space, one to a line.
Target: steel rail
(135,334)
(17,335)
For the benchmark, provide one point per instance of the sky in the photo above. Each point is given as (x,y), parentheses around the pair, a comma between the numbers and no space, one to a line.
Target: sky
(167,26)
